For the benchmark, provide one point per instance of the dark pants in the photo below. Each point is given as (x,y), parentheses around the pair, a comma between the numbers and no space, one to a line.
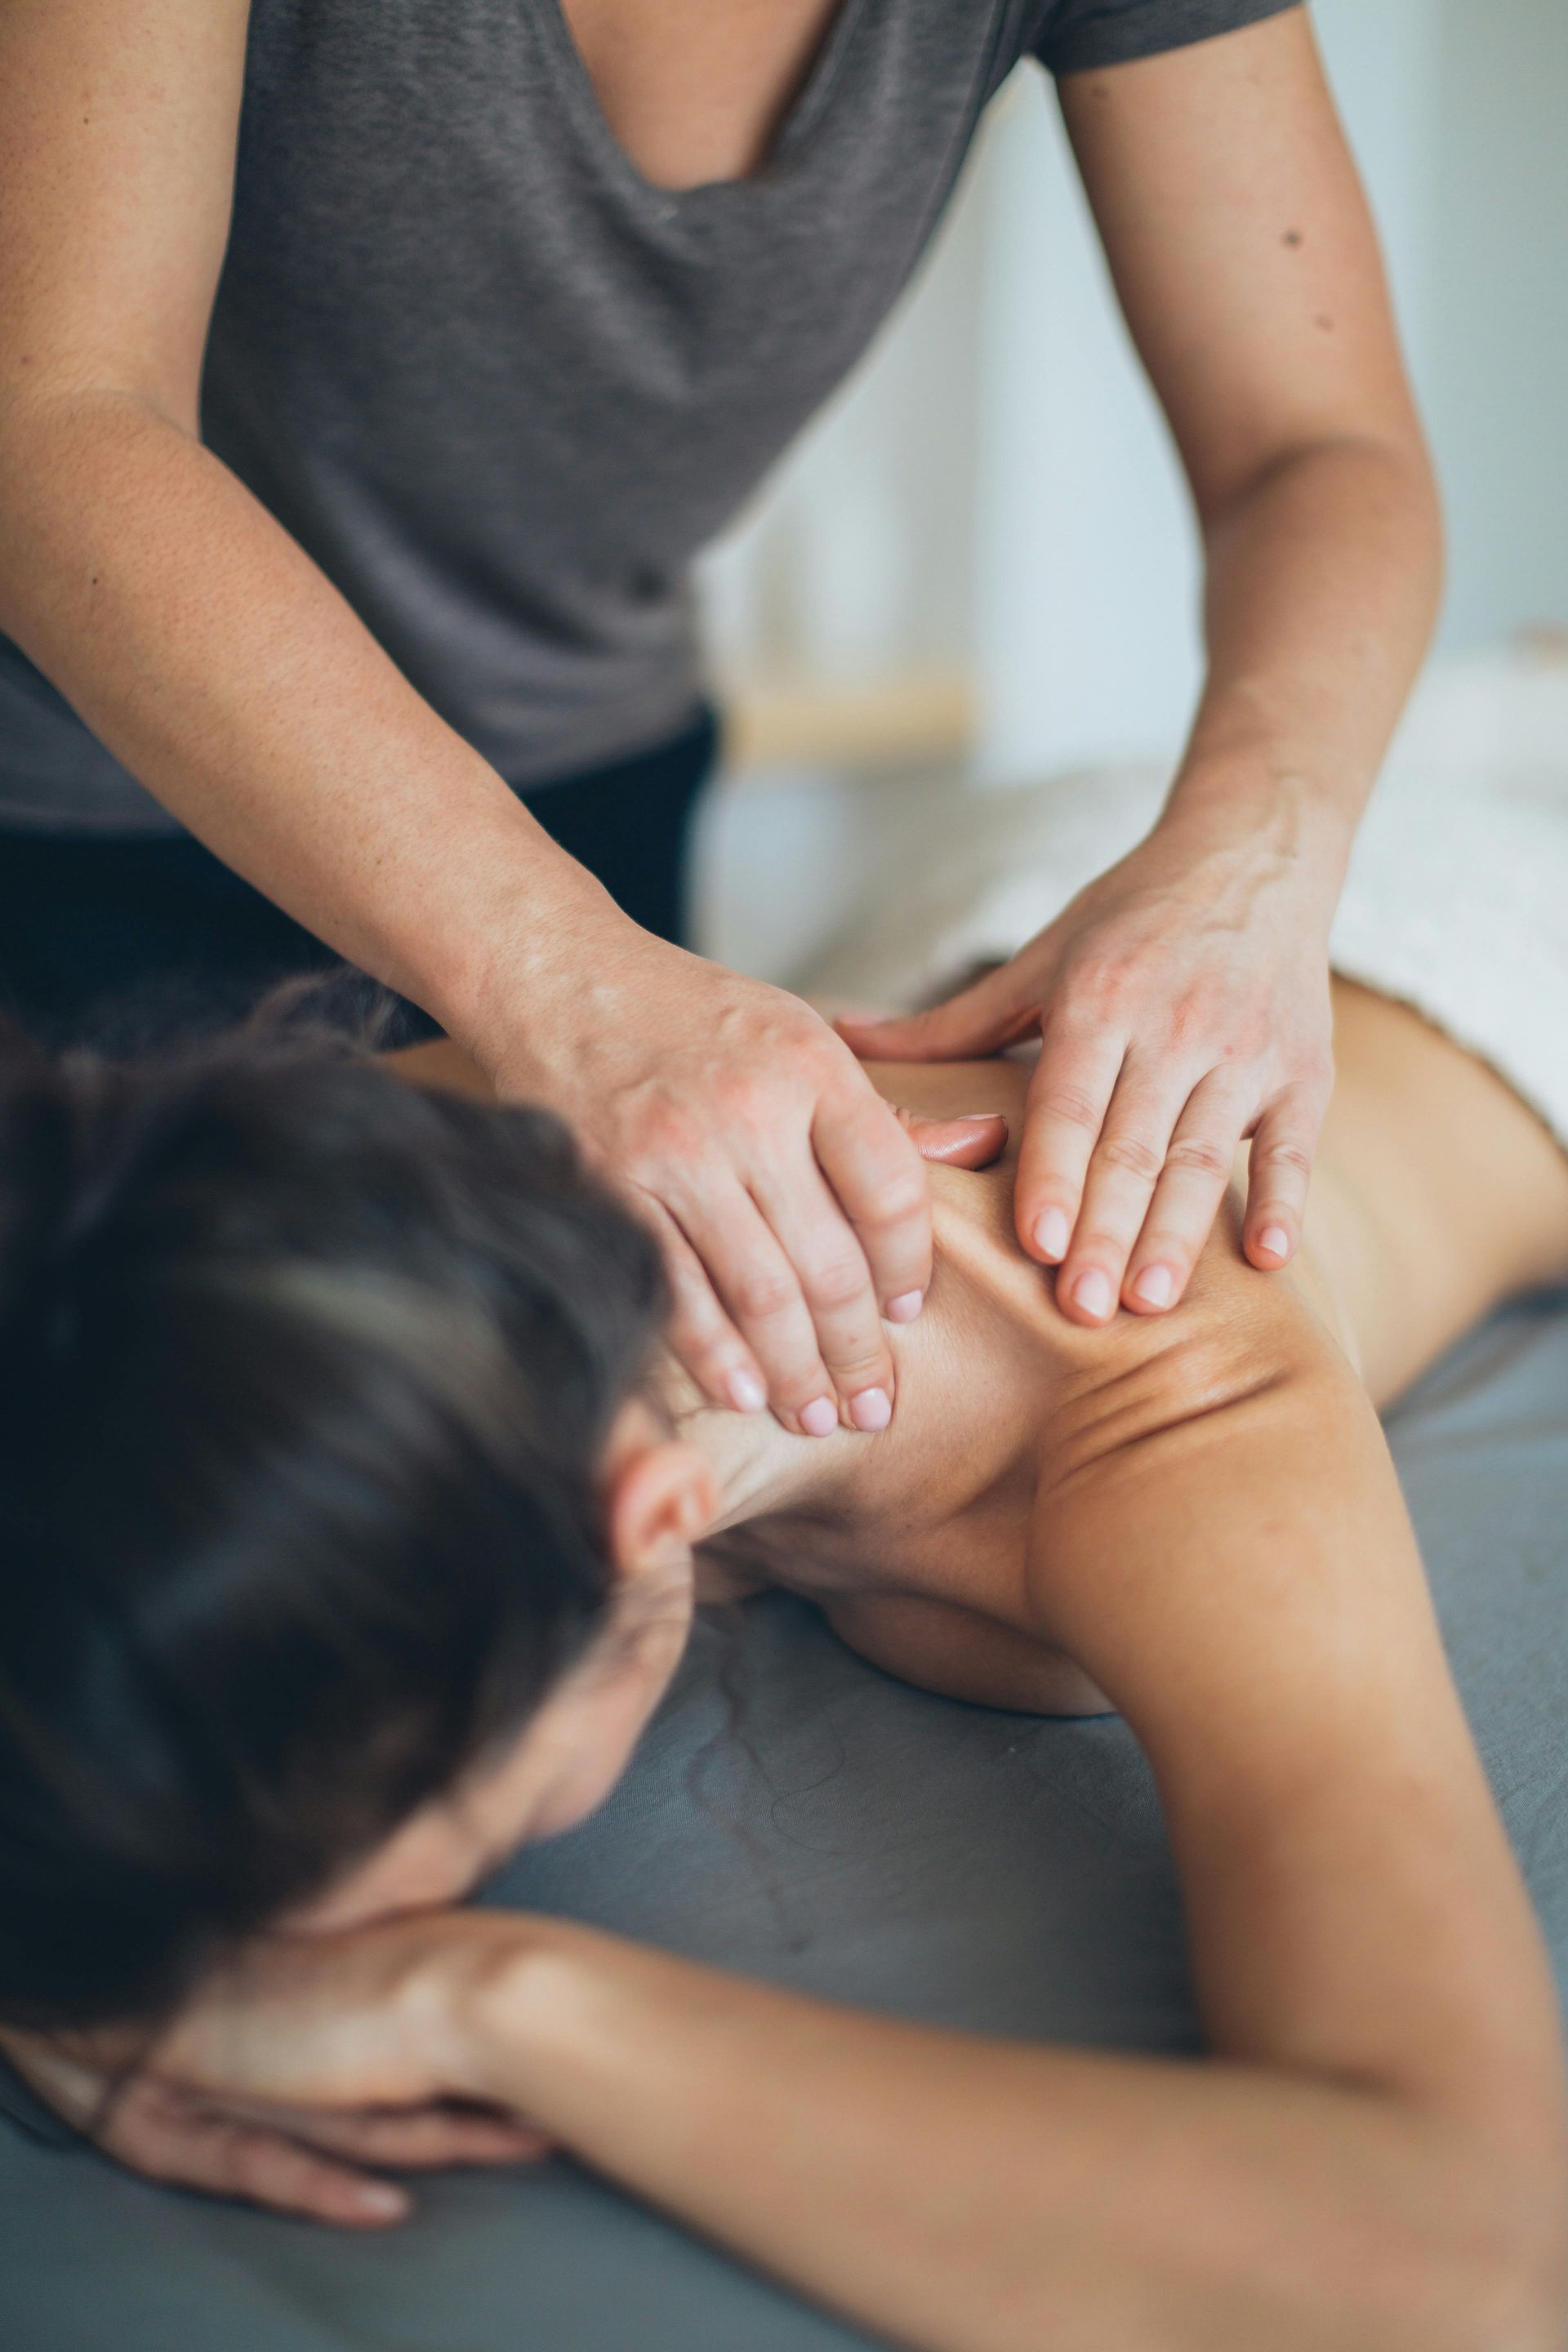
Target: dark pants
(134,940)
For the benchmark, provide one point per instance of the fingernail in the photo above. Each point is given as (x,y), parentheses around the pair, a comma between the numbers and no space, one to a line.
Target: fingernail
(1155,1285)
(1052,1234)
(1275,1240)
(872,1409)
(819,1418)
(977,1118)
(745,1391)
(387,2204)
(1092,1293)
(906,1307)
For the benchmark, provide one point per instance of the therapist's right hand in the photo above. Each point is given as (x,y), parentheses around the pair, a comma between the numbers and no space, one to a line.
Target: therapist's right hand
(791,1202)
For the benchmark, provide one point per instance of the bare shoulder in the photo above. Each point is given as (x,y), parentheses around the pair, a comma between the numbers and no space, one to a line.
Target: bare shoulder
(1439,1192)
(957,1652)
(1231,1317)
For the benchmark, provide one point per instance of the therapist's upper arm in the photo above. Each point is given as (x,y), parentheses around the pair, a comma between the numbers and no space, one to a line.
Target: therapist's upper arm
(1243,252)
(119,121)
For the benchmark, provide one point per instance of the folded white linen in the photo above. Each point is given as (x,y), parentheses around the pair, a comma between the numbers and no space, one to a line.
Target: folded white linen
(1456,901)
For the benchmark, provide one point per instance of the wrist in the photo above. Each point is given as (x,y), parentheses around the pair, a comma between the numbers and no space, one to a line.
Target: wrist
(485,1996)
(528,962)
(1266,814)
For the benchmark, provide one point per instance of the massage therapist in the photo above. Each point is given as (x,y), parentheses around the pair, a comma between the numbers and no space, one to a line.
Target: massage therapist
(371,372)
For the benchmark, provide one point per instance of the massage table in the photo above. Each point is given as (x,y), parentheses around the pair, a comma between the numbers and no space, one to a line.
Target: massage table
(795,1813)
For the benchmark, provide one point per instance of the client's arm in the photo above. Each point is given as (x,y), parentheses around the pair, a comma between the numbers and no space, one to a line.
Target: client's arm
(1376,2158)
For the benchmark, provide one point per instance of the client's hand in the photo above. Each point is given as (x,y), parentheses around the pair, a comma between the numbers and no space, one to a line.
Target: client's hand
(311,2060)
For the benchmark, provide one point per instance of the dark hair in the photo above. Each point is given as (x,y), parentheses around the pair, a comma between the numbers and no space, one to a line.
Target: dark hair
(305,1379)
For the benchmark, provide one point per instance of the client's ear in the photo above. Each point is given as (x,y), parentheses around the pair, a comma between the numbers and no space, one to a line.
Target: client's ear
(661,1498)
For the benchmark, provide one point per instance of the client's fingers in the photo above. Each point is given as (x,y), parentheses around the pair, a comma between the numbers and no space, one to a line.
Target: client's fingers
(408,2138)
(169,2140)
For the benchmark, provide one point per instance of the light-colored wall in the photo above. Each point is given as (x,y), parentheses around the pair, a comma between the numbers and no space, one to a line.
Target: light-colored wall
(1085,639)
(1086,571)
(1493,355)
(996,487)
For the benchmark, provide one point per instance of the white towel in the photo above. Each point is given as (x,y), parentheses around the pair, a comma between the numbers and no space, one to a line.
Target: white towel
(1456,901)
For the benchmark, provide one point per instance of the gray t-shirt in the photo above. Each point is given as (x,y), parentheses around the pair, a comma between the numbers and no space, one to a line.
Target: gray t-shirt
(501,388)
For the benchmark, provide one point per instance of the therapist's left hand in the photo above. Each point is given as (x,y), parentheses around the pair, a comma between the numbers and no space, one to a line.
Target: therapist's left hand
(1182,1001)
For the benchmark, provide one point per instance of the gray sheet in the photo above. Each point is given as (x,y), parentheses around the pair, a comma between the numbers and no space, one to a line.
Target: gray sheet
(855,1838)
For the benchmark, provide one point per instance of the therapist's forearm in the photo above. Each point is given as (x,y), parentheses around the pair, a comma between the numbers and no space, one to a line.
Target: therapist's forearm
(220,666)
(1323,576)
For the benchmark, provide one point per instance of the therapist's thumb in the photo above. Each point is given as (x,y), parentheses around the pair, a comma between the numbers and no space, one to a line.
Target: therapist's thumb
(972,1141)
(980,1020)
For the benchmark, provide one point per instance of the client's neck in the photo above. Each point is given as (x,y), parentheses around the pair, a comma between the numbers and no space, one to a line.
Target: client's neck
(761,1470)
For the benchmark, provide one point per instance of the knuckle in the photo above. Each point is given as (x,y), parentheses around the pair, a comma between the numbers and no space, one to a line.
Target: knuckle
(792,1390)
(1285,1157)
(761,1298)
(840,1079)
(837,1283)
(1132,1156)
(1199,1155)
(1051,1193)
(1097,984)
(1073,1105)
(698,1324)
(687,1277)
(865,1156)
(667,1137)
(1196,1014)
(696,1320)
(897,1200)
(1247,1039)
(707,1352)
(1097,1248)
(739,1097)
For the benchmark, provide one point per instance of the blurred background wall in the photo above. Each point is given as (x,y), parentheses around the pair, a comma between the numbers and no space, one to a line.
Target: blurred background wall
(978,569)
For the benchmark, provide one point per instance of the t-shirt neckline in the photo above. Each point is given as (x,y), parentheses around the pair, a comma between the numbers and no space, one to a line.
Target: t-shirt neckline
(801,117)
